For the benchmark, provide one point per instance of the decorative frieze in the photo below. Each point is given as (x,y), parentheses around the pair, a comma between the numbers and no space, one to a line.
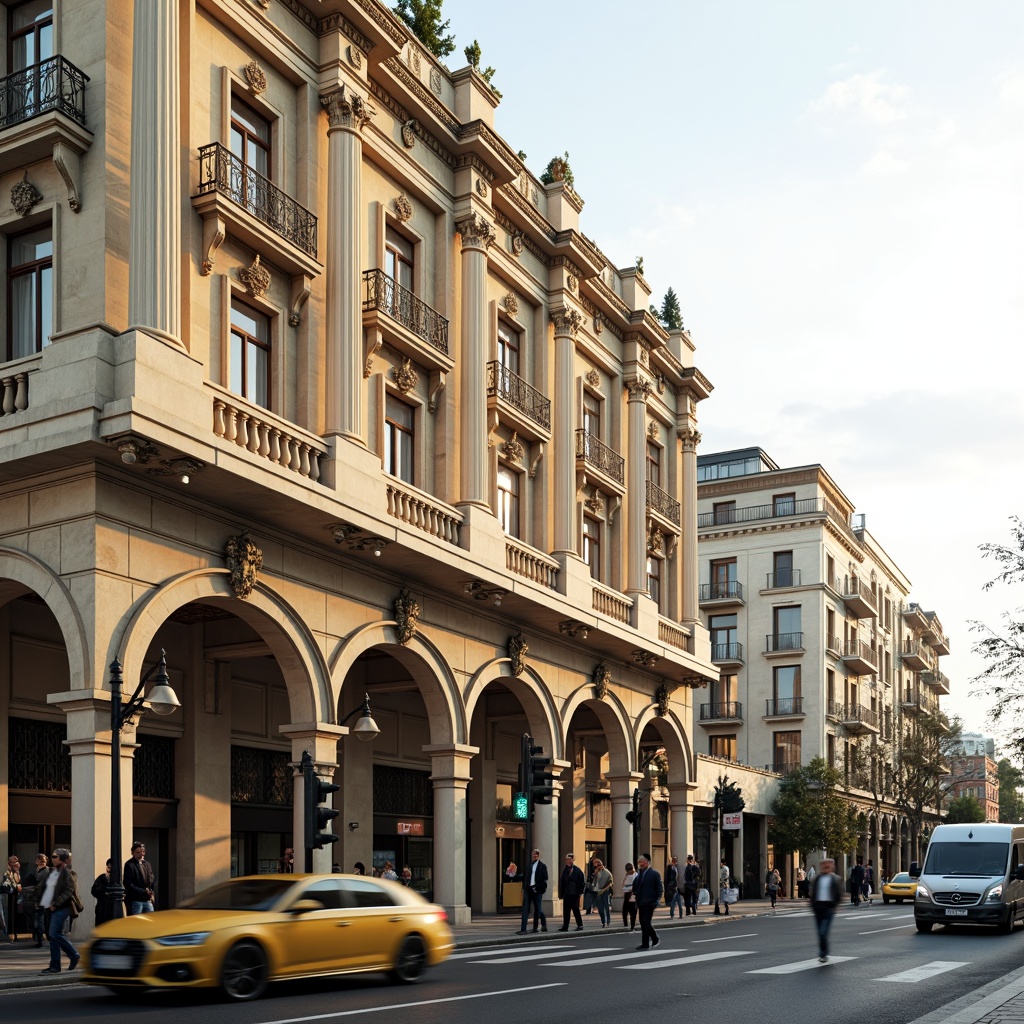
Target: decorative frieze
(244,561)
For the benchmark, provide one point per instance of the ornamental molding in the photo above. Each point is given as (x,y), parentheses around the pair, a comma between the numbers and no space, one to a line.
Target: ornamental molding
(389,103)
(24,195)
(429,100)
(511,303)
(256,77)
(517,648)
(598,323)
(435,81)
(477,232)
(473,161)
(595,502)
(528,209)
(593,378)
(407,615)
(355,57)
(655,541)
(652,431)
(690,438)
(481,188)
(517,243)
(244,561)
(414,60)
(567,321)
(601,679)
(639,389)
(403,207)
(340,23)
(256,278)
(513,449)
(347,110)
(573,282)
(409,133)
(405,376)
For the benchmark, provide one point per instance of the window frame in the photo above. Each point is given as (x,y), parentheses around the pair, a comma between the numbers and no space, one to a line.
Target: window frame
(40,298)
(591,545)
(509,501)
(248,340)
(392,429)
(728,739)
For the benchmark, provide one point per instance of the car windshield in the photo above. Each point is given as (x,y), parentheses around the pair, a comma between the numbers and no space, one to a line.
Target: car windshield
(966,859)
(241,894)
(901,877)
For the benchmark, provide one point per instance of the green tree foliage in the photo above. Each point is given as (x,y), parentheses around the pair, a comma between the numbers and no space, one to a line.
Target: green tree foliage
(424,18)
(1011,803)
(1002,679)
(964,810)
(558,169)
(671,316)
(811,814)
(728,796)
(473,54)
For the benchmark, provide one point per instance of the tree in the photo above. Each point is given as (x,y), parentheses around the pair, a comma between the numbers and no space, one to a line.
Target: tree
(473,54)
(424,18)
(810,813)
(963,810)
(1003,676)
(1011,803)
(558,169)
(670,315)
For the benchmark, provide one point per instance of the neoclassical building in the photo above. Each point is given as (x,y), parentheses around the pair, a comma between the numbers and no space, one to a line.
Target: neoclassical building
(308,381)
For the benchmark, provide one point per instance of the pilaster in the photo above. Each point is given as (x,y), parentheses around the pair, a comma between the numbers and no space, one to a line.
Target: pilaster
(690,438)
(639,390)
(567,323)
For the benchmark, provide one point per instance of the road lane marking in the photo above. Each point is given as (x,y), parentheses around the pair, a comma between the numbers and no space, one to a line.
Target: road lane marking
(517,956)
(727,938)
(409,1006)
(502,950)
(611,959)
(653,965)
(802,965)
(894,928)
(925,971)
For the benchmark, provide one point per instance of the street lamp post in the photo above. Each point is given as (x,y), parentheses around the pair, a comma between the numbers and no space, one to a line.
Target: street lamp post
(163,701)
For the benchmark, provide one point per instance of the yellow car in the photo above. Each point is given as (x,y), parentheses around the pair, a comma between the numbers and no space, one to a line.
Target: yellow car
(899,888)
(247,932)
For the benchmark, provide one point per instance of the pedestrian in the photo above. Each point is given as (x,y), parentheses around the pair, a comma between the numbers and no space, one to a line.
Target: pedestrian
(590,893)
(603,885)
(856,881)
(825,897)
(570,888)
(691,885)
(724,874)
(673,888)
(869,883)
(811,874)
(335,868)
(406,878)
(649,889)
(60,898)
(774,881)
(32,906)
(286,865)
(139,881)
(359,868)
(11,888)
(389,872)
(102,896)
(628,898)
(535,884)
(801,882)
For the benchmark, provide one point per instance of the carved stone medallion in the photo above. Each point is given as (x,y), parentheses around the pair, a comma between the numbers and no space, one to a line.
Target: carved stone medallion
(256,278)
(598,323)
(244,561)
(652,431)
(435,81)
(407,614)
(355,57)
(511,304)
(513,449)
(517,650)
(409,133)
(24,195)
(593,378)
(403,207)
(481,187)
(572,281)
(518,243)
(595,502)
(405,377)
(256,77)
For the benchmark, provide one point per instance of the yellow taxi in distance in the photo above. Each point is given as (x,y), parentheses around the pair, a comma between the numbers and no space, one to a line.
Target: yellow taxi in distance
(247,932)
(899,888)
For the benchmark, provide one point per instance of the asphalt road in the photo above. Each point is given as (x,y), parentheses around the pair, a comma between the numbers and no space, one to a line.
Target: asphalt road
(761,969)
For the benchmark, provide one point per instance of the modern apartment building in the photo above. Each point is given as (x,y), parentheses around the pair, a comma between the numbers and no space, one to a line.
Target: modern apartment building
(310,382)
(819,649)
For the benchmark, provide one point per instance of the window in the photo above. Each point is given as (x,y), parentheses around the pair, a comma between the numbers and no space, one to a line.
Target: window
(508,500)
(591,413)
(788,635)
(724,635)
(830,686)
(250,143)
(830,571)
(723,746)
(399,438)
(398,259)
(654,463)
(784,504)
(592,545)
(787,751)
(725,690)
(786,688)
(30,42)
(508,348)
(29,292)
(782,569)
(654,579)
(723,573)
(725,511)
(249,357)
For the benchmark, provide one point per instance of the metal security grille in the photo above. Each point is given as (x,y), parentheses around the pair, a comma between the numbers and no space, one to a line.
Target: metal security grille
(402,791)
(37,758)
(261,777)
(153,768)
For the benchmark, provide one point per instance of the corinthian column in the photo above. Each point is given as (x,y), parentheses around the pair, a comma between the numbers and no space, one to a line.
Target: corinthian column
(154,219)
(477,234)
(567,323)
(690,437)
(636,499)
(347,115)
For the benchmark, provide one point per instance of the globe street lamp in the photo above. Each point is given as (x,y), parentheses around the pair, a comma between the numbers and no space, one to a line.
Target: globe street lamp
(163,701)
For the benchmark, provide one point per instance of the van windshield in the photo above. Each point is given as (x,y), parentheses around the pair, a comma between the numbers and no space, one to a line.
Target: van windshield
(966,859)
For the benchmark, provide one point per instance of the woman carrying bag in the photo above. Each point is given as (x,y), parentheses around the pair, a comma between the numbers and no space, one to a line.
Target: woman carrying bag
(628,899)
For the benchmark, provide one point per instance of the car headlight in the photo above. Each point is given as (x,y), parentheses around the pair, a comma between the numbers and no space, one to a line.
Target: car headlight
(922,891)
(185,939)
(995,894)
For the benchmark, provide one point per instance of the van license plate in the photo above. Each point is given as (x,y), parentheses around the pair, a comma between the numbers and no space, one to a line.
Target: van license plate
(956,913)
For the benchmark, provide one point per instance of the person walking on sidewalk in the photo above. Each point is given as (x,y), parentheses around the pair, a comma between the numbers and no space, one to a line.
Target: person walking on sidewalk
(691,885)
(868,887)
(774,881)
(856,881)
(674,888)
(535,884)
(102,897)
(628,897)
(60,897)
(649,890)
(603,884)
(570,888)
(33,892)
(826,895)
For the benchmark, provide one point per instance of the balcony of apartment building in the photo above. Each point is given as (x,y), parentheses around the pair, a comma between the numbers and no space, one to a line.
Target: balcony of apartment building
(834,710)
(859,658)
(721,594)
(788,509)
(777,708)
(782,579)
(405,322)
(857,597)
(833,646)
(515,402)
(778,645)
(599,464)
(727,654)
(915,655)
(717,712)
(42,116)
(662,508)
(937,680)
(910,703)
(782,767)
(859,720)
(934,637)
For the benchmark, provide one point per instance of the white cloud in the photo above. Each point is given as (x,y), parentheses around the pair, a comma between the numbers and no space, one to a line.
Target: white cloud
(884,165)
(1011,90)
(869,97)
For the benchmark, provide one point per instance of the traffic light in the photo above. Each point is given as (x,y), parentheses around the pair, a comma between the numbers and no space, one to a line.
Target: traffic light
(318,815)
(521,797)
(633,816)
(541,775)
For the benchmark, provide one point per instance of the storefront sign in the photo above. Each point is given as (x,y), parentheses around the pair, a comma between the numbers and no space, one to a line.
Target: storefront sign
(732,820)
(410,828)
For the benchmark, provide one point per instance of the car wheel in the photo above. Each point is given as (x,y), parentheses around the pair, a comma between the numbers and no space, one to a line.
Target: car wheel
(410,961)
(885,899)
(924,927)
(244,973)
(1006,927)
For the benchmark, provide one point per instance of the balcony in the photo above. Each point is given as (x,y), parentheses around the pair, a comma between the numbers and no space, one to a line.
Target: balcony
(783,578)
(662,504)
(783,643)
(915,655)
(724,592)
(727,654)
(14,386)
(721,711)
(599,464)
(779,510)
(858,719)
(859,658)
(833,646)
(784,707)
(834,710)
(782,767)
(405,322)
(937,680)
(910,702)
(518,403)
(857,597)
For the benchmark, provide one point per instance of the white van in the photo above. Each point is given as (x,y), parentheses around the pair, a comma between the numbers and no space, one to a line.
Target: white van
(973,874)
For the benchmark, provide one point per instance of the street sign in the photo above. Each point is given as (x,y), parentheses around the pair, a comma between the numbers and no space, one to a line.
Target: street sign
(732,820)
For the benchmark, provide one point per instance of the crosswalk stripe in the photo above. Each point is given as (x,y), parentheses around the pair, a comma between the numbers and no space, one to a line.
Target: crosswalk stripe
(504,950)
(653,965)
(520,957)
(802,965)
(583,961)
(925,971)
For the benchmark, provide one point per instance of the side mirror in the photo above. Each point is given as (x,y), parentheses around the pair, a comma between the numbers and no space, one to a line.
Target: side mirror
(305,906)
(915,870)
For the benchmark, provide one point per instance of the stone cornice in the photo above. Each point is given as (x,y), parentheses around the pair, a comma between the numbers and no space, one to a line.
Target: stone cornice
(385,20)
(696,383)
(528,243)
(595,314)
(472,160)
(423,95)
(524,206)
(431,141)
(340,23)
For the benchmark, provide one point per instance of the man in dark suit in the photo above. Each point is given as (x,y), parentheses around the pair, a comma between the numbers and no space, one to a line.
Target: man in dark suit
(535,884)
(826,894)
(648,888)
(570,888)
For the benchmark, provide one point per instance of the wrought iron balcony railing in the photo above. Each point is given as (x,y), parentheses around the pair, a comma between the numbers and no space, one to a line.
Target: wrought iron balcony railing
(784,706)
(783,578)
(731,709)
(511,388)
(804,506)
(222,172)
(596,453)
(727,652)
(662,502)
(722,590)
(784,642)
(386,295)
(859,713)
(53,84)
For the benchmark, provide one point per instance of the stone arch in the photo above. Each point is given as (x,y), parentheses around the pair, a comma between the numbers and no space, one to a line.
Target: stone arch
(22,573)
(682,768)
(299,659)
(533,694)
(614,719)
(446,711)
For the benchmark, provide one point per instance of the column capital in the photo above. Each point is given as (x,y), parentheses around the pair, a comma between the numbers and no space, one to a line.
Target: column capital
(690,436)
(476,230)
(566,321)
(346,110)
(450,762)
(639,388)
(320,739)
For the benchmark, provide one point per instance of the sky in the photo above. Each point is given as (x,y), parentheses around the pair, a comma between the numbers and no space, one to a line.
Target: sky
(835,190)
